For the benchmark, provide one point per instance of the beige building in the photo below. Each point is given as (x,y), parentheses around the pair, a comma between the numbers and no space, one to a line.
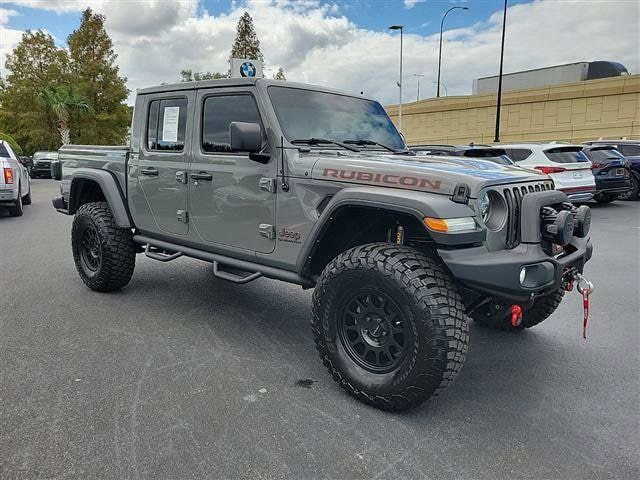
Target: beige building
(574,112)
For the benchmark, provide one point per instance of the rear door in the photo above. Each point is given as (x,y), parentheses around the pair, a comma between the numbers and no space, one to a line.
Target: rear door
(160,165)
(231,199)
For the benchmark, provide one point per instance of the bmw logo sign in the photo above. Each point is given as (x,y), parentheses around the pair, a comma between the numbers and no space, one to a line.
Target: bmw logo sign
(248,69)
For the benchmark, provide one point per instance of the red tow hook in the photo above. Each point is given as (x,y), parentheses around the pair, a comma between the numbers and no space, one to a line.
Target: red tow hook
(516,315)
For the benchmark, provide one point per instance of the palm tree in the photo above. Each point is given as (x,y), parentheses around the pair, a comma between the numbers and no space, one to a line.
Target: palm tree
(61,99)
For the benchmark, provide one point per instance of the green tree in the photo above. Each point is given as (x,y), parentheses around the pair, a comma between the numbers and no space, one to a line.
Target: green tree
(95,76)
(190,76)
(279,75)
(32,66)
(11,141)
(62,100)
(246,44)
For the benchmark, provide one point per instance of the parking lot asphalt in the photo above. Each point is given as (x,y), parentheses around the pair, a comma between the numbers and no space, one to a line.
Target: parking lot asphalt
(182,375)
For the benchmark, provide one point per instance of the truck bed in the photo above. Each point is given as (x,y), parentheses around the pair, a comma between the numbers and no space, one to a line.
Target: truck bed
(106,157)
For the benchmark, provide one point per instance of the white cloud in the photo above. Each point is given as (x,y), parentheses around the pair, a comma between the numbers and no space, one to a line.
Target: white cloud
(409,4)
(9,37)
(6,14)
(315,43)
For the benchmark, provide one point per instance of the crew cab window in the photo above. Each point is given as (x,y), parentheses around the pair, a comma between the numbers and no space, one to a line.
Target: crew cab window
(167,124)
(219,112)
(518,154)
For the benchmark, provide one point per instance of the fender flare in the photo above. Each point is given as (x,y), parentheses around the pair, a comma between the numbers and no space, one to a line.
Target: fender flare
(110,189)
(414,203)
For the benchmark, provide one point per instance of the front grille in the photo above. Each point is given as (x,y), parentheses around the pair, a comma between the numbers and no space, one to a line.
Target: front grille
(513,198)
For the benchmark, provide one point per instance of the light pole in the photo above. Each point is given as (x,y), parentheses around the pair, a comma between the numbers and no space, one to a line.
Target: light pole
(499,102)
(418,75)
(401,28)
(440,52)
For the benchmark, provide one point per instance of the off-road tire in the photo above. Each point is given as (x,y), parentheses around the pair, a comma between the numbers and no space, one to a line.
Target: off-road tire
(632,194)
(541,309)
(16,210)
(605,198)
(114,246)
(429,303)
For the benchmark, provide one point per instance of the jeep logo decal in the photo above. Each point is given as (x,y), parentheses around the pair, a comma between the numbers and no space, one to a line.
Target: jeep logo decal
(403,181)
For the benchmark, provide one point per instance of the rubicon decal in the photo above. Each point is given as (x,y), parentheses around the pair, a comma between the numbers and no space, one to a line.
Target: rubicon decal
(382,178)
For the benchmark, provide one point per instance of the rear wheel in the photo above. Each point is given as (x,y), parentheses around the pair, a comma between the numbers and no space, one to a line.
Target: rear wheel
(104,254)
(498,316)
(389,325)
(16,210)
(26,200)
(605,198)
(631,194)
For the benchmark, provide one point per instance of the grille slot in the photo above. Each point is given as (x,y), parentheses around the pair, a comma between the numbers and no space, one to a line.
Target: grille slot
(513,197)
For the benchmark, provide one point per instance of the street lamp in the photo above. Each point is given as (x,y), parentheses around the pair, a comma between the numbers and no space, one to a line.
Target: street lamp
(418,75)
(440,52)
(401,28)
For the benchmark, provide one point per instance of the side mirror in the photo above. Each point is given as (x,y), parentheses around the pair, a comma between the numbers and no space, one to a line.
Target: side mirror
(245,137)
(56,170)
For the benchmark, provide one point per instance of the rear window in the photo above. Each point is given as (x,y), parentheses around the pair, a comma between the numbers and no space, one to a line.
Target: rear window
(167,124)
(3,151)
(45,155)
(630,150)
(604,153)
(566,155)
(518,154)
(495,155)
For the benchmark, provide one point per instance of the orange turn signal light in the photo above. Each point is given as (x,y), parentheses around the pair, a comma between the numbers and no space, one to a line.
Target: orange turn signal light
(436,224)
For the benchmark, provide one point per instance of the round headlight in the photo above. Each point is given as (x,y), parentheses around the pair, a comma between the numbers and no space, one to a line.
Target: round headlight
(493,209)
(485,207)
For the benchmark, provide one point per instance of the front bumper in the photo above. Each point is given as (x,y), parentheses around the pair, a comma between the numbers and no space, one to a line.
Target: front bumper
(498,273)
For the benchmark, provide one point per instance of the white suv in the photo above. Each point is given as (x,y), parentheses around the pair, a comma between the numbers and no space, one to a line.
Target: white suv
(15,187)
(567,165)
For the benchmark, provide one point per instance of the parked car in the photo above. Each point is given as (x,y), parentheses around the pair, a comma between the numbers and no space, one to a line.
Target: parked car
(610,170)
(277,179)
(484,152)
(566,164)
(15,185)
(42,164)
(631,151)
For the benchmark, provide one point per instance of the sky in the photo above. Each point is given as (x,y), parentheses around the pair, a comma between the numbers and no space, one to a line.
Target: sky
(344,44)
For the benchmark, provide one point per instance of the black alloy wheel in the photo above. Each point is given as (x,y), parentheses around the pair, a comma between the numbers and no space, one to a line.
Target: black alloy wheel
(90,251)
(373,330)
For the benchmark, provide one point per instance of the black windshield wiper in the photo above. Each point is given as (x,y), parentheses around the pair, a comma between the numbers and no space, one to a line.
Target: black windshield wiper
(371,142)
(319,141)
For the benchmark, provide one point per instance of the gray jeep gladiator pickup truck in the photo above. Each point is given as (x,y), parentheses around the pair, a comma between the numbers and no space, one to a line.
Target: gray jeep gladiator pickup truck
(316,187)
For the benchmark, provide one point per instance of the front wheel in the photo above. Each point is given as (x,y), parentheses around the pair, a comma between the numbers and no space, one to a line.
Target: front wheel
(389,325)
(104,253)
(631,194)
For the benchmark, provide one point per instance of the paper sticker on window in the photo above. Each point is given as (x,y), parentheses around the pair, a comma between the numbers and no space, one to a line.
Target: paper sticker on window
(170,124)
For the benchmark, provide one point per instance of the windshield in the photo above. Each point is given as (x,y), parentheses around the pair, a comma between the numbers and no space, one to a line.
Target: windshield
(45,155)
(306,114)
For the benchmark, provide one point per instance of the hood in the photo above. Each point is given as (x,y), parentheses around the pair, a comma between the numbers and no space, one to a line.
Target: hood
(436,174)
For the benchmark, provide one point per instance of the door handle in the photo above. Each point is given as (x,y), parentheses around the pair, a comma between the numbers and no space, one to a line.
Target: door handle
(201,176)
(151,171)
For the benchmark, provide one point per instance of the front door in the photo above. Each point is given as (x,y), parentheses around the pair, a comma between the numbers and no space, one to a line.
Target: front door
(229,199)
(161,165)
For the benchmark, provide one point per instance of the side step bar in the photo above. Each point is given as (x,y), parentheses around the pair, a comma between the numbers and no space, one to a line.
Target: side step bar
(219,261)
